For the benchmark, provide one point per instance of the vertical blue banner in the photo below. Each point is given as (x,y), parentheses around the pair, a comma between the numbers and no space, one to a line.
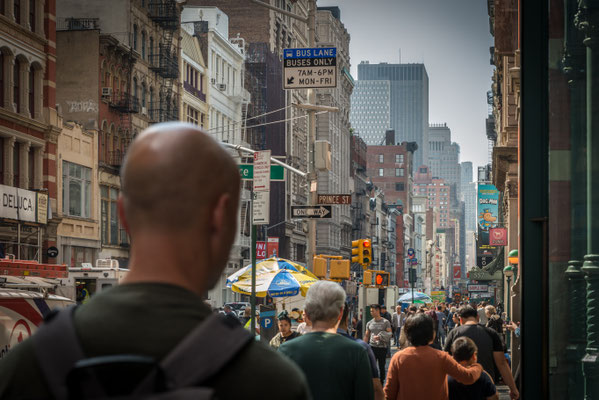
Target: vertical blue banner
(488,207)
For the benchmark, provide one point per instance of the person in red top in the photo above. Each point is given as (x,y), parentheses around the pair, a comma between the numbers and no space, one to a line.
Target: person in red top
(419,371)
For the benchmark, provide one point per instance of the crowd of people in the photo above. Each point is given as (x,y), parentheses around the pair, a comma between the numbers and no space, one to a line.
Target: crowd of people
(157,324)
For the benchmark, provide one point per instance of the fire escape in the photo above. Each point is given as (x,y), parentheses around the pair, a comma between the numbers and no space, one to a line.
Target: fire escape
(164,60)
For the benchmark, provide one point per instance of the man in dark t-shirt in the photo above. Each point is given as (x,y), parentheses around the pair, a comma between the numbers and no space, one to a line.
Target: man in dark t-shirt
(488,342)
(160,300)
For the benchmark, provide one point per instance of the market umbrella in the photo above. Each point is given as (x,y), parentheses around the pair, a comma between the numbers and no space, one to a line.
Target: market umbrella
(419,297)
(269,265)
(281,283)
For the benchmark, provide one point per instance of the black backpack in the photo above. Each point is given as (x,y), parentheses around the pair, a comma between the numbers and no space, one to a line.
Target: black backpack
(180,375)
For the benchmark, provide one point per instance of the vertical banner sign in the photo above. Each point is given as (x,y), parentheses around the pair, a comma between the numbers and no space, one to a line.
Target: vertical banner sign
(260,250)
(457,272)
(272,247)
(488,212)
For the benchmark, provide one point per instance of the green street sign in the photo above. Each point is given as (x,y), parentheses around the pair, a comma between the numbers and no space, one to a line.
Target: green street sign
(277,172)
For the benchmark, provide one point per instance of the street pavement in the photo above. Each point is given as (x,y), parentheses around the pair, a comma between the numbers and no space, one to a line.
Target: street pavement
(502,390)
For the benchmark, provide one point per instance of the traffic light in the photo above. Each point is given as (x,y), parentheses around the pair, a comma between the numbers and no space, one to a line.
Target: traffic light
(319,267)
(339,269)
(381,278)
(367,278)
(362,252)
(366,253)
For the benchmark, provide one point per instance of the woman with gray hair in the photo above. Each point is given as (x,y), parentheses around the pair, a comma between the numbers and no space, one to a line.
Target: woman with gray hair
(336,367)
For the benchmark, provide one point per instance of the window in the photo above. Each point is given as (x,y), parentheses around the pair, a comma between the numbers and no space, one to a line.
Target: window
(143,45)
(151,48)
(17,11)
(381,173)
(31,91)
(400,187)
(16,158)
(381,158)
(192,115)
(143,95)
(135,93)
(1,75)
(17,84)
(31,14)
(134,37)
(109,217)
(76,190)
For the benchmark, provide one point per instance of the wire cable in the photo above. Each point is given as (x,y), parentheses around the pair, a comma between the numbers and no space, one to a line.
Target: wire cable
(247,119)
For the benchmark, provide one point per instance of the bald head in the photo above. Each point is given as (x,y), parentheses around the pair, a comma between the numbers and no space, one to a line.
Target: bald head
(173,177)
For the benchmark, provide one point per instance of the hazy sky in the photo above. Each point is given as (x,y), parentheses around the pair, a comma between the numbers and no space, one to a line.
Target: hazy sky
(451,38)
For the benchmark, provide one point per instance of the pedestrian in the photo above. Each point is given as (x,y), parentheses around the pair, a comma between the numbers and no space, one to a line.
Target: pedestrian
(305,326)
(342,330)
(442,324)
(488,342)
(385,314)
(482,315)
(359,328)
(335,367)
(397,321)
(494,321)
(247,314)
(451,323)
(420,372)
(285,333)
(378,335)
(403,338)
(229,313)
(464,351)
(179,188)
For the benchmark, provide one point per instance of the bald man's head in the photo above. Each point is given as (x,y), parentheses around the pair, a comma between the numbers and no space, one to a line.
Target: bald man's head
(173,177)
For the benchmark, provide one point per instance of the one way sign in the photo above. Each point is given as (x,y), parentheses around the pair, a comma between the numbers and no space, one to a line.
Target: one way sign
(311,212)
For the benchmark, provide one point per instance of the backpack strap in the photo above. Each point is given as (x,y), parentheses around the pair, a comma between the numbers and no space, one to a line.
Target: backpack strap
(57,349)
(203,352)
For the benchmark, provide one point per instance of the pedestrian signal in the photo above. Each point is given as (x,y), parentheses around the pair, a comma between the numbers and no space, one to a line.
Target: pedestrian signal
(367,278)
(362,252)
(319,267)
(381,278)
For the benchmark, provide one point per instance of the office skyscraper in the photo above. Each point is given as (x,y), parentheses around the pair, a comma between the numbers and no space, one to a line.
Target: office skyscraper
(370,115)
(408,102)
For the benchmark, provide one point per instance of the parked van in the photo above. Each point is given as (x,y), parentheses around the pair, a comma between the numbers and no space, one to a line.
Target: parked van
(21,312)
(87,280)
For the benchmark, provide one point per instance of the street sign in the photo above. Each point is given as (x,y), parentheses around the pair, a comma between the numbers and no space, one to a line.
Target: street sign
(266,322)
(307,68)
(52,252)
(311,212)
(334,199)
(262,171)
(478,288)
(261,208)
(413,261)
(277,172)
(411,253)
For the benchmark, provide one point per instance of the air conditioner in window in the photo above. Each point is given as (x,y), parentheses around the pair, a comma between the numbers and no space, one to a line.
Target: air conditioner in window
(213,81)
(144,111)
(222,87)
(106,91)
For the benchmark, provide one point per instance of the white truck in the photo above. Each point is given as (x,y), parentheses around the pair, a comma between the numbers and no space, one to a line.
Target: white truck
(87,280)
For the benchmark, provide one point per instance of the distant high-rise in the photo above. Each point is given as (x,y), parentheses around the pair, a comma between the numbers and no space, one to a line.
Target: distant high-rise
(370,115)
(408,101)
(468,195)
(444,158)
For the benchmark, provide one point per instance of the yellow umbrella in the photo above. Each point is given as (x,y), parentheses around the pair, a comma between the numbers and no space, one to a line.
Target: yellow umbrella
(281,283)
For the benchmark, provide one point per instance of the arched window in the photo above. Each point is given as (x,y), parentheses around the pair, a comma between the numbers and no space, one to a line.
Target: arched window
(143,45)
(134,37)
(2,59)
(17,84)
(32,15)
(151,49)
(135,94)
(17,11)
(143,95)
(151,105)
(32,91)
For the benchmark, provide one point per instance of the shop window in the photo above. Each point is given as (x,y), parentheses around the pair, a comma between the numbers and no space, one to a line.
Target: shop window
(76,184)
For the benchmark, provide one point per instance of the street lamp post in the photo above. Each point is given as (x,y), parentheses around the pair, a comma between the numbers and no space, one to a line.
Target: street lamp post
(508,271)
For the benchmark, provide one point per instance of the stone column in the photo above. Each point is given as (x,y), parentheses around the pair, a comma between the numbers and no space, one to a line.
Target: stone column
(24,167)
(9,145)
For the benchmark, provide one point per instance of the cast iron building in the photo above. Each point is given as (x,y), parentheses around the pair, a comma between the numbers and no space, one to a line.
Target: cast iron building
(334,235)
(409,101)
(370,113)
